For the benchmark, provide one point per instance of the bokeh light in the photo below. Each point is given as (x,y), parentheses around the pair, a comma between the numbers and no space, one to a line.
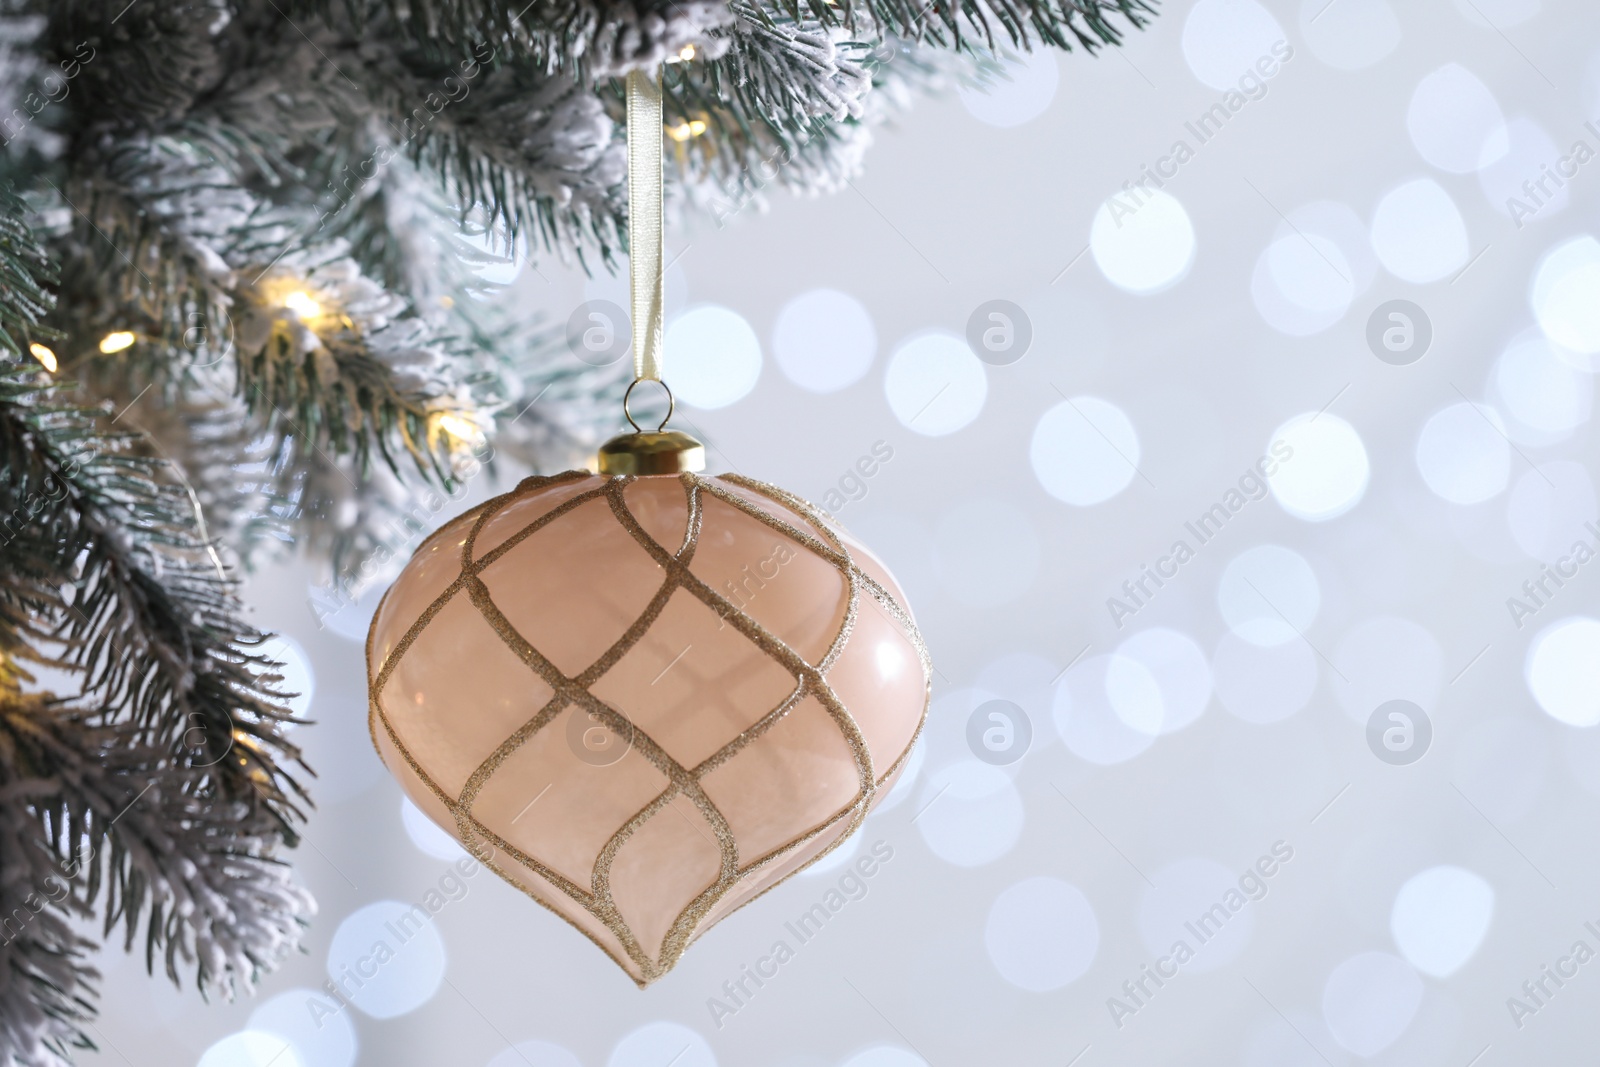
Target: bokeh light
(1386,658)
(1021,94)
(1369,1000)
(1566,299)
(824,340)
(1269,595)
(935,384)
(1549,511)
(1418,232)
(1563,671)
(1524,153)
(969,813)
(1544,395)
(1351,34)
(1440,918)
(1091,724)
(1222,39)
(714,354)
(1327,473)
(658,1043)
(1463,454)
(388,958)
(1455,122)
(428,835)
(1041,934)
(1179,671)
(251,1048)
(322,1034)
(1085,451)
(1142,242)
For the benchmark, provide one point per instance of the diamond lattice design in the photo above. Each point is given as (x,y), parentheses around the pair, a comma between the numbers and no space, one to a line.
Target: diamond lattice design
(753,737)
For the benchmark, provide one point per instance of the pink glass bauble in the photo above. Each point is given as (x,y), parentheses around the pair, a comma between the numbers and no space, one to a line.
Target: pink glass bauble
(644,701)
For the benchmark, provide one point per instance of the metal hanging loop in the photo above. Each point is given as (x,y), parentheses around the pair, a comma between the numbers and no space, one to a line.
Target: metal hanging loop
(672,405)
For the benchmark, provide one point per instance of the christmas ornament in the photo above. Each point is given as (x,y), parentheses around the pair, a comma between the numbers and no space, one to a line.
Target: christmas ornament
(645,696)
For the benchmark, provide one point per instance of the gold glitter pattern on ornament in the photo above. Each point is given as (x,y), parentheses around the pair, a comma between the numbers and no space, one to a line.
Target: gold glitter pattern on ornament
(574,692)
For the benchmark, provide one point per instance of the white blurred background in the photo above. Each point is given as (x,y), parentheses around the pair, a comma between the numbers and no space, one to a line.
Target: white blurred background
(1427,859)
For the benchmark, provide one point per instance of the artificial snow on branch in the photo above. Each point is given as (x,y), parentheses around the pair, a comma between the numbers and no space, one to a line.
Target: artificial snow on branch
(156,792)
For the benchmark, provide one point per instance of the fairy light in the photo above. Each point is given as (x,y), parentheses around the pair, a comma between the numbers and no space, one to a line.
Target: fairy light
(44,355)
(683,131)
(458,430)
(116,341)
(686,53)
(302,304)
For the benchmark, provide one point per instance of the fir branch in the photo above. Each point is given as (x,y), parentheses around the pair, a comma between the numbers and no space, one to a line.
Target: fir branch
(151,227)
(536,149)
(28,90)
(405,233)
(25,270)
(363,530)
(341,364)
(218,452)
(136,65)
(986,25)
(132,835)
(151,619)
(47,985)
(150,622)
(733,165)
(364,380)
(582,40)
(162,782)
(784,71)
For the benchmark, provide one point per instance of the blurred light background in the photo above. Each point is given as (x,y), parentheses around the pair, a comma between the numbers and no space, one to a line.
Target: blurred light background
(1342,746)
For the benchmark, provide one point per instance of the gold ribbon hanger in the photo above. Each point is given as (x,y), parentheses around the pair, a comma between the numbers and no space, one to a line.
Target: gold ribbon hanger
(662,451)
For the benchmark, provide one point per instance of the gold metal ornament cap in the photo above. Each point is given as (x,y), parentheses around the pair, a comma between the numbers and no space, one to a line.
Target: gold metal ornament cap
(662,452)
